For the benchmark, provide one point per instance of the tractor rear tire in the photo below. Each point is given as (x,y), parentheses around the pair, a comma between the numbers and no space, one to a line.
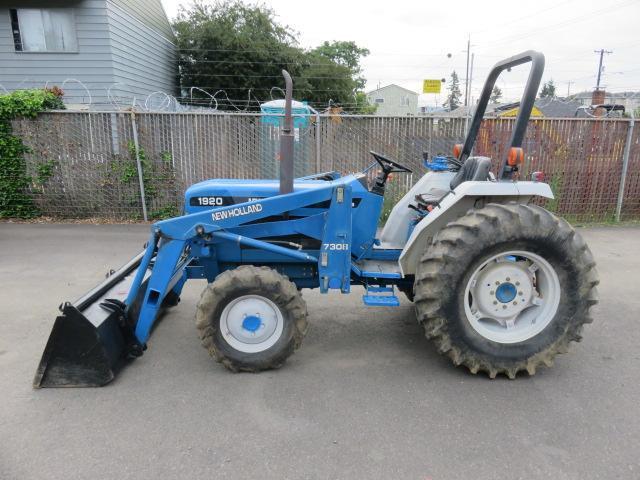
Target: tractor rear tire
(493,237)
(251,318)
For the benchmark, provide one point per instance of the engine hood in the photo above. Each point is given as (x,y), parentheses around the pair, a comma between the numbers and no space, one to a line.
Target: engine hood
(222,192)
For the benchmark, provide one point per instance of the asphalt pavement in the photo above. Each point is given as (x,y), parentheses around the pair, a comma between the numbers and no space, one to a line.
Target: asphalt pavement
(366,397)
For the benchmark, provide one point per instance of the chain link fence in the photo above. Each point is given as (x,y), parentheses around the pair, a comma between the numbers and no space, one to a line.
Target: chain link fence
(91,164)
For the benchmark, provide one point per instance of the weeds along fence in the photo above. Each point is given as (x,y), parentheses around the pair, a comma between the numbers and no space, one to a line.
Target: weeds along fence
(92,164)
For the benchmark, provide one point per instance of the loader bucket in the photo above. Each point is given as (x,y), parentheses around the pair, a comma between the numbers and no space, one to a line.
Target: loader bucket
(88,341)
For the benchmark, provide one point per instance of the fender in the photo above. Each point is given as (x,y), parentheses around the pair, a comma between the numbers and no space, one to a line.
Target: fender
(466,196)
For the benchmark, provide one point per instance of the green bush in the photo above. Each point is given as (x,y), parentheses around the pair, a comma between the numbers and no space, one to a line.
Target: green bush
(15,200)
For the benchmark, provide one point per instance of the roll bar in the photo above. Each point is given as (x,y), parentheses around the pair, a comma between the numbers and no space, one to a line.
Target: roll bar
(524,112)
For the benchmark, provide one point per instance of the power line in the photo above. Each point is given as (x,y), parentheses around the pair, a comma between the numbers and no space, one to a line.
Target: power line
(526,17)
(422,66)
(241,75)
(280,51)
(297,63)
(604,11)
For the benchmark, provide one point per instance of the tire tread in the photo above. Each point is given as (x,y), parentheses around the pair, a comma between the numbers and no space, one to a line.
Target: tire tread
(264,278)
(438,266)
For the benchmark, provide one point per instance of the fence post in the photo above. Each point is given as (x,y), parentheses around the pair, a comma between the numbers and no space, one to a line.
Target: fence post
(318,144)
(625,166)
(136,145)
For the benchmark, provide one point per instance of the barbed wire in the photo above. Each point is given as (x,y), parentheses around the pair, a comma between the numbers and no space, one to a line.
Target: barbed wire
(222,86)
(159,101)
(198,98)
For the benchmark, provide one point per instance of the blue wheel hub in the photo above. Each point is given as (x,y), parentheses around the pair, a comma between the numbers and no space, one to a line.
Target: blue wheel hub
(251,323)
(506,292)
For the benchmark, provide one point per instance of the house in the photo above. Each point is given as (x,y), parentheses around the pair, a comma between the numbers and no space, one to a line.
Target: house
(542,108)
(630,100)
(557,107)
(394,100)
(458,112)
(97,51)
(431,110)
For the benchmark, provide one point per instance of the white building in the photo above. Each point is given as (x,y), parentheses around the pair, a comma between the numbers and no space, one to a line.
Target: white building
(630,100)
(394,100)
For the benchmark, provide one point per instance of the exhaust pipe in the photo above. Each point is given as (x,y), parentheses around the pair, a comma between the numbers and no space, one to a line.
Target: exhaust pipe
(286,139)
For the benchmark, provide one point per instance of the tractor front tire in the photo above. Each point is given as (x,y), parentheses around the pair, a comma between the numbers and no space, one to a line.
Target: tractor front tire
(251,318)
(505,288)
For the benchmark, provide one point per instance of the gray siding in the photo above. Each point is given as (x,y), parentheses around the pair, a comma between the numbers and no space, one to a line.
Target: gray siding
(92,64)
(149,12)
(115,49)
(144,60)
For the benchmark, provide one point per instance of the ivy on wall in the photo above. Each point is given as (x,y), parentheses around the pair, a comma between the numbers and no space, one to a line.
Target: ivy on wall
(15,200)
(158,178)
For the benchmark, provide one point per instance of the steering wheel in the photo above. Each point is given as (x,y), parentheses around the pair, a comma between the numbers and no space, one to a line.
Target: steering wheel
(389,166)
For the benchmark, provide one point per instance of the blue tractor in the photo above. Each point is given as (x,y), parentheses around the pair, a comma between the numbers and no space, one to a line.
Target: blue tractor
(500,284)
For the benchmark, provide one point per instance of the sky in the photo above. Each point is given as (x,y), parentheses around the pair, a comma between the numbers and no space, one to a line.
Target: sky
(410,40)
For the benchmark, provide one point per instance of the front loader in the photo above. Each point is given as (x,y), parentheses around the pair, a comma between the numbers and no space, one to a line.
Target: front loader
(500,284)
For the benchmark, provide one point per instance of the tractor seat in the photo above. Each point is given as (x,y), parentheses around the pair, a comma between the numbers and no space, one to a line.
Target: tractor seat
(473,169)
(432,197)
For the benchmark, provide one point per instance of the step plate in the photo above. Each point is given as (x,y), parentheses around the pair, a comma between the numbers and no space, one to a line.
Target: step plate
(381,300)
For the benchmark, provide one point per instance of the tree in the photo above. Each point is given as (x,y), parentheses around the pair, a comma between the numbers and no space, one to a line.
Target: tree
(332,73)
(453,99)
(496,95)
(362,106)
(548,89)
(241,50)
(346,54)
(233,47)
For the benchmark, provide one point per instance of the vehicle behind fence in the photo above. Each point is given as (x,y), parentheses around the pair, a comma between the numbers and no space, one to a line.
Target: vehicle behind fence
(90,164)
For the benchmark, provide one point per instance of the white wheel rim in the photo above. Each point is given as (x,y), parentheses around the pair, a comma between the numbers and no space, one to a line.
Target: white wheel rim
(512,296)
(251,323)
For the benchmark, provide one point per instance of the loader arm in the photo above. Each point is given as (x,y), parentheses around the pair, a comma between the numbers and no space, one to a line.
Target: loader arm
(113,321)
(180,239)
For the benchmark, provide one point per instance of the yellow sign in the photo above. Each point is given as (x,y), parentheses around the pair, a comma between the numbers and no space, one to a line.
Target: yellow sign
(431,86)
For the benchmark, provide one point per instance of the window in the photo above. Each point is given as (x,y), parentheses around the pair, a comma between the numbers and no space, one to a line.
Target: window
(379,100)
(43,30)
(404,101)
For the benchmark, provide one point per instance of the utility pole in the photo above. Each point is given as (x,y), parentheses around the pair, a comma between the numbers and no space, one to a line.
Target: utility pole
(601,52)
(468,96)
(471,77)
(466,78)
(569,89)
(598,96)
